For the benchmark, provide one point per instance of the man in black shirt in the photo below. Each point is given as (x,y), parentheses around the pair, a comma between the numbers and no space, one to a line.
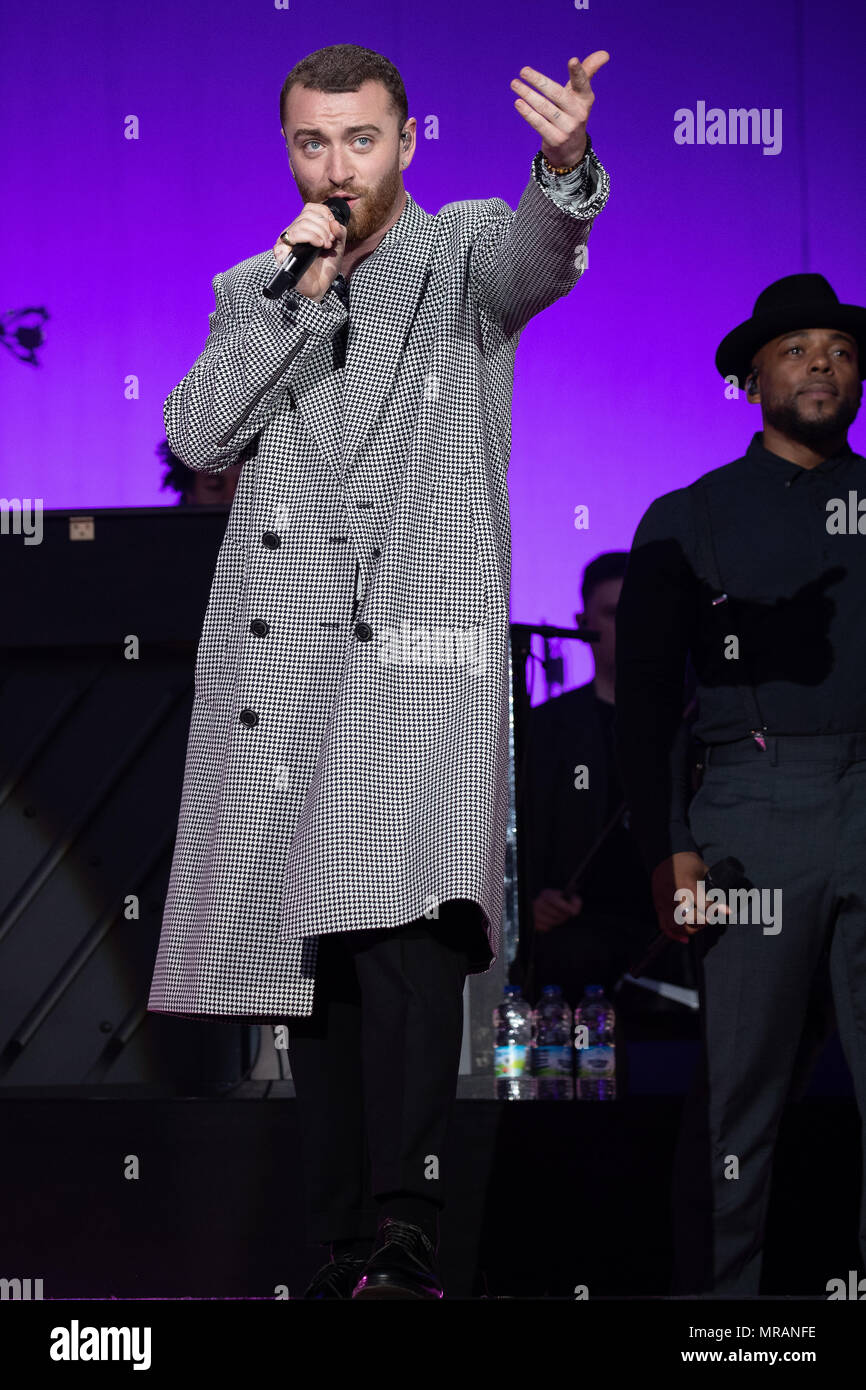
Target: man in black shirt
(571,793)
(758,571)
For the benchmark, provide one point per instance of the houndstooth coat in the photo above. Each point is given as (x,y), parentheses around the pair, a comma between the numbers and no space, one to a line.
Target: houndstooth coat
(347,762)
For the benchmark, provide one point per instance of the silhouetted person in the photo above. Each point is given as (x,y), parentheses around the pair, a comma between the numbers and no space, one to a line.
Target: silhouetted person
(590,934)
(193,487)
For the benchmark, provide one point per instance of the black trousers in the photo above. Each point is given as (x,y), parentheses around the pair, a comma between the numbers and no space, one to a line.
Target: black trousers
(375,1067)
(795,816)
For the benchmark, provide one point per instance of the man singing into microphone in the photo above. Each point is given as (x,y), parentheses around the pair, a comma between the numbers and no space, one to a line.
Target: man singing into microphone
(341,844)
(758,571)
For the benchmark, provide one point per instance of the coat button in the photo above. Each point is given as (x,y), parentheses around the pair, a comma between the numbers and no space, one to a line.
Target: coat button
(363,632)
(259,628)
(271,540)
(249,717)
(376,552)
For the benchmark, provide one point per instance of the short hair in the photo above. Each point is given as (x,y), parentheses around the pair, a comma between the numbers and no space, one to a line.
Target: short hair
(343,67)
(609,565)
(177,475)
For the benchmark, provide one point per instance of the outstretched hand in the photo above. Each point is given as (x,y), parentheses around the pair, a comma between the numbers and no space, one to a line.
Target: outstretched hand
(559,114)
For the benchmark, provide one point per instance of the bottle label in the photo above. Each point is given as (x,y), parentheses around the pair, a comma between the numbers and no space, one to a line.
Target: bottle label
(510,1060)
(553,1061)
(598,1061)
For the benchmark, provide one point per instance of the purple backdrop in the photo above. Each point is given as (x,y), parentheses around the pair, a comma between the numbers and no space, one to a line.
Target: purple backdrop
(616,395)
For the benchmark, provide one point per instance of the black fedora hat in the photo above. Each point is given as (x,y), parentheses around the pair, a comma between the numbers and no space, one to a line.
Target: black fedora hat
(797,301)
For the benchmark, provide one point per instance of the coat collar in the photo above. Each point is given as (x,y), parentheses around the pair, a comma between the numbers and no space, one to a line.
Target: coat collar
(385,293)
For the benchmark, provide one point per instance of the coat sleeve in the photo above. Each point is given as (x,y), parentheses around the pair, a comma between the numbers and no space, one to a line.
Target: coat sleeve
(521,262)
(655,625)
(238,382)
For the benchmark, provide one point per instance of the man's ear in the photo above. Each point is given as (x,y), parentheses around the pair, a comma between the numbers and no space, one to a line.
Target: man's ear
(753,391)
(404,143)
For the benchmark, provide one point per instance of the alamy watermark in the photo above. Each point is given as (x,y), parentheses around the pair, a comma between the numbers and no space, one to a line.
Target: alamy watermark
(22,516)
(432,646)
(755,906)
(77,1343)
(737,126)
(846,518)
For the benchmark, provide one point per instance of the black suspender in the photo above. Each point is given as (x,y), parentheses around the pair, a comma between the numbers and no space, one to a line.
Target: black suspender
(721,604)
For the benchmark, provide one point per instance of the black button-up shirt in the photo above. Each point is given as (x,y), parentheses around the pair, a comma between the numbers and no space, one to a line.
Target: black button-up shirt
(797,602)
(340,340)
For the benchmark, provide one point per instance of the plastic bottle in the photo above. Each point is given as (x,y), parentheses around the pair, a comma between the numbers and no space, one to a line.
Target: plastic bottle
(551,1046)
(595,1051)
(512,1026)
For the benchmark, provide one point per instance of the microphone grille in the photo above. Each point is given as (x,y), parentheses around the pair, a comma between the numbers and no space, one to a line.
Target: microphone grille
(340,208)
(728,873)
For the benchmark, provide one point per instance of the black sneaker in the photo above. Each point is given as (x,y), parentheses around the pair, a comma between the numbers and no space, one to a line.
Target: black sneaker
(336,1279)
(403,1264)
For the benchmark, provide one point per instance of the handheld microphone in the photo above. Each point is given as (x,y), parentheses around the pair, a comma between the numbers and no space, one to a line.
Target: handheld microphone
(302,255)
(726,874)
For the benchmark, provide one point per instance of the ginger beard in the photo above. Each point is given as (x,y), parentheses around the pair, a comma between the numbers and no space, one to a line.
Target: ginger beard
(371,211)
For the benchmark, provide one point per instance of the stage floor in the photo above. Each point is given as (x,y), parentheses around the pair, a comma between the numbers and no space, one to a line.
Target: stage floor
(544,1196)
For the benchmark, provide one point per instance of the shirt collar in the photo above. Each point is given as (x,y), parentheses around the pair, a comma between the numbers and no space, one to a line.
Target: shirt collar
(784,469)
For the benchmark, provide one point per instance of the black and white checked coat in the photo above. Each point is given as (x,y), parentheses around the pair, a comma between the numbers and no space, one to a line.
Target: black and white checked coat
(347,763)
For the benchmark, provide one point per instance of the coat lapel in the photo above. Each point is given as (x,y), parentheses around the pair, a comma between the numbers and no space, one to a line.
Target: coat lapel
(385,294)
(316,394)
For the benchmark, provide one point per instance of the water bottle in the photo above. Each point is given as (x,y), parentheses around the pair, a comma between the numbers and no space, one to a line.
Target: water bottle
(512,1026)
(595,1052)
(551,1046)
